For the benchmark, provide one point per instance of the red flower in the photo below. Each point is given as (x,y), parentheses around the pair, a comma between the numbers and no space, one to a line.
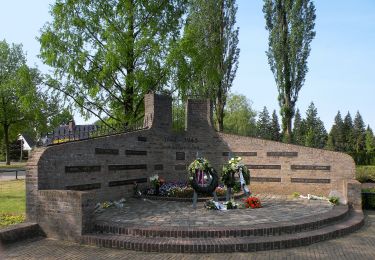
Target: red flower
(252,202)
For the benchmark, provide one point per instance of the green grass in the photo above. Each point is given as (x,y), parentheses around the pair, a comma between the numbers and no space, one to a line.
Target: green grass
(18,165)
(365,173)
(12,202)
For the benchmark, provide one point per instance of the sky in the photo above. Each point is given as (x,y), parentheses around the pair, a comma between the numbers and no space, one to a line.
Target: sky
(341,63)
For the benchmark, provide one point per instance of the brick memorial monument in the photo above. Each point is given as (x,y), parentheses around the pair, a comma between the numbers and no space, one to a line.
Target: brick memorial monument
(65,181)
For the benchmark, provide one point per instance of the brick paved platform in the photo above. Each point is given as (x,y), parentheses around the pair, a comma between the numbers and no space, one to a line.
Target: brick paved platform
(165,226)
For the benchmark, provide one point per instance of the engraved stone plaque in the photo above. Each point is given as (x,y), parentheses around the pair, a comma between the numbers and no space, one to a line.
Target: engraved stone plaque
(307,180)
(311,167)
(75,169)
(262,166)
(126,182)
(135,152)
(121,167)
(282,154)
(158,167)
(180,156)
(81,187)
(265,179)
(106,151)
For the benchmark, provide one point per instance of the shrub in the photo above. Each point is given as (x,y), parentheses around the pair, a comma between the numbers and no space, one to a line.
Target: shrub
(365,173)
(296,194)
(334,200)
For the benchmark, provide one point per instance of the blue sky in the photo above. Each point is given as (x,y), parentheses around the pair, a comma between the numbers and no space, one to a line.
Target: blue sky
(341,63)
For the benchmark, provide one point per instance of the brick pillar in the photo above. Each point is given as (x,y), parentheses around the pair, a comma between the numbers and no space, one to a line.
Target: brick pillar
(199,115)
(158,111)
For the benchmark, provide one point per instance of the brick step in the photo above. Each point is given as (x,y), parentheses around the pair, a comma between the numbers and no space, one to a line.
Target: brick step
(352,223)
(266,229)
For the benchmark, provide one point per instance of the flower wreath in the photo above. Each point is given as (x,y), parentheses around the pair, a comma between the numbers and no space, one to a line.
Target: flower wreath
(196,169)
(231,168)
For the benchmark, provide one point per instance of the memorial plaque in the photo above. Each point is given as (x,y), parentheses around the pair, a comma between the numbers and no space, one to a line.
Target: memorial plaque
(158,167)
(106,151)
(282,154)
(180,156)
(307,180)
(82,187)
(180,167)
(122,167)
(75,169)
(240,153)
(262,166)
(265,179)
(135,152)
(142,139)
(311,167)
(126,182)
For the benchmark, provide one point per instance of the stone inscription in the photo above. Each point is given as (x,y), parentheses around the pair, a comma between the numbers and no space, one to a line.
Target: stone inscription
(261,166)
(180,156)
(265,179)
(311,167)
(106,151)
(306,180)
(180,167)
(158,167)
(119,167)
(135,152)
(142,139)
(74,169)
(240,153)
(81,187)
(282,154)
(126,182)
(176,139)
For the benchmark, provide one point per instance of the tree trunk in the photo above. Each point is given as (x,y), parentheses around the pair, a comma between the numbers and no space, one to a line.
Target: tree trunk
(129,80)
(220,112)
(6,141)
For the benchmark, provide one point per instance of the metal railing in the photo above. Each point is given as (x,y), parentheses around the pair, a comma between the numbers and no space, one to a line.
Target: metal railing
(64,135)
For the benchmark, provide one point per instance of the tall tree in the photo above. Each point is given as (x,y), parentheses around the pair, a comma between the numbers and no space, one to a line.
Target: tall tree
(336,139)
(291,29)
(369,140)
(275,127)
(264,124)
(21,101)
(359,132)
(240,116)
(347,132)
(107,54)
(207,60)
(316,134)
(298,129)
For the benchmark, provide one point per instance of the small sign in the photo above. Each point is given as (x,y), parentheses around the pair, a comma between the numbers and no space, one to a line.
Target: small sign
(82,187)
(265,179)
(106,151)
(240,153)
(282,154)
(306,180)
(126,182)
(121,167)
(75,169)
(311,167)
(180,156)
(264,166)
(135,152)
(142,139)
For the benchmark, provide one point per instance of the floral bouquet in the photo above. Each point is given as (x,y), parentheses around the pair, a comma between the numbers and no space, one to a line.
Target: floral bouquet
(154,180)
(234,166)
(252,202)
(199,164)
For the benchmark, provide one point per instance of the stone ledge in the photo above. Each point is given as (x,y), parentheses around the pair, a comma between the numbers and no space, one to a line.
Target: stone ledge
(20,232)
(266,229)
(227,244)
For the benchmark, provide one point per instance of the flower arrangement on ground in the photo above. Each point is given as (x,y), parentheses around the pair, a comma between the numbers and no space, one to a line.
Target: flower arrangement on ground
(234,166)
(252,202)
(154,180)
(211,204)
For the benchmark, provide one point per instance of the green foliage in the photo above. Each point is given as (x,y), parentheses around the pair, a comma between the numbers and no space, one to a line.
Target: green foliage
(12,202)
(359,133)
(291,29)
(240,117)
(316,135)
(369,140)
(298,129)
(264,124)
(107,54)
(206,58)
(365,174)
(275,127)
(334,200)
(296,194)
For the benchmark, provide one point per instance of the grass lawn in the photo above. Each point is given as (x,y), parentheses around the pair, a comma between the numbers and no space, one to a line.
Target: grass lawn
(15,165)
(12,202)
